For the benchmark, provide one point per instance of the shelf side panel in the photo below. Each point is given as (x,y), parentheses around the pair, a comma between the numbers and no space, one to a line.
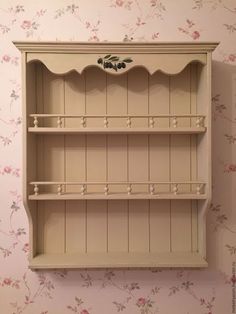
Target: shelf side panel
(193,160)
(194,226)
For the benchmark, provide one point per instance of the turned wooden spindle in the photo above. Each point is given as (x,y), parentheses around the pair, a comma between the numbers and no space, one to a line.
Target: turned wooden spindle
(106,189)
(129,189)
(175,122)
(59,189)
(105,122)
(175,189)
(152,189)
(36,189)
(59,122)
(83,189)
(151,122)
(36,122)
(198,189)
(82,121)
(128,122)
(199,122)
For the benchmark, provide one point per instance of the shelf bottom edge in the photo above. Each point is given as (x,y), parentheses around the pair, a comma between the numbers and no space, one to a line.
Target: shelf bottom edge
(118,260)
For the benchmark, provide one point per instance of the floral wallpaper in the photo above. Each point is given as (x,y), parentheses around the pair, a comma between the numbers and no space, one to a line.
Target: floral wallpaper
(209,291)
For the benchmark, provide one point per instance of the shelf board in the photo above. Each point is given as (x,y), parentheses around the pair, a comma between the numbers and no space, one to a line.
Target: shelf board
(118,260)
(178,130)
(117,196)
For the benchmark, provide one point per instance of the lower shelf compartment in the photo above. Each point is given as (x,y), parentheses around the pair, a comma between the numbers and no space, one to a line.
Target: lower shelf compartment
(118,260)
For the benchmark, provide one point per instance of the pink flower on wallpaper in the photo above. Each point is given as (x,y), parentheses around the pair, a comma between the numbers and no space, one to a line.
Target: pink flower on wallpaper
(7,282)
(188,30)
(6,58)
(155,36)
(121,3)
(10,170)
(40,13)
(26,24)
(233,279)
(230,168)
(195,35)
(4,29)
(231,249)
(84,312)
(26,248)
(5,140)
(229,58)
(232,57)
(141,302)
(7,169)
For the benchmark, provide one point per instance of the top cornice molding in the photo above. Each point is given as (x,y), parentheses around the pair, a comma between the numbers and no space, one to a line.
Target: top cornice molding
(117,47)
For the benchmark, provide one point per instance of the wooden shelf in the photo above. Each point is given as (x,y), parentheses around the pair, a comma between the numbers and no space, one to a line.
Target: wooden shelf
(164,90)
(118,260)
(178,130)
(117,196)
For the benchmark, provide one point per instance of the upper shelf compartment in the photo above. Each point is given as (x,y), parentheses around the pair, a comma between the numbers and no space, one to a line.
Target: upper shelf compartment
(119,57)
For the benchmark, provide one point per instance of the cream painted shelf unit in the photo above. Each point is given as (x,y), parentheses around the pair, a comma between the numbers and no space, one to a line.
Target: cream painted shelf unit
(117,153)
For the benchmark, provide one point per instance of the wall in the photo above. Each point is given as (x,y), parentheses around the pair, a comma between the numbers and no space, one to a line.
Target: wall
(145,291)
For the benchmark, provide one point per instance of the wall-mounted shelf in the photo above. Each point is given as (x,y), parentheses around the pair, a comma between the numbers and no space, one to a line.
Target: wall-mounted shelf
(117,153)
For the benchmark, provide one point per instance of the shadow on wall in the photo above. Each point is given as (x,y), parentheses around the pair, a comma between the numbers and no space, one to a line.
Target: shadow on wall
(222,215)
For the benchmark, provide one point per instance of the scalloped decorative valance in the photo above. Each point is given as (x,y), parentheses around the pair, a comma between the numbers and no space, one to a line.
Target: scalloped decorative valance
(61,58)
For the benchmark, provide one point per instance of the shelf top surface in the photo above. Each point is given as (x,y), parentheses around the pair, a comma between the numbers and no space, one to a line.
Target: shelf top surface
(117,196)
(94,47)
(178,130)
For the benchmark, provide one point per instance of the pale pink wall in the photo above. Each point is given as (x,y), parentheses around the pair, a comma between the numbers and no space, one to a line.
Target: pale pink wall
(160,291)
